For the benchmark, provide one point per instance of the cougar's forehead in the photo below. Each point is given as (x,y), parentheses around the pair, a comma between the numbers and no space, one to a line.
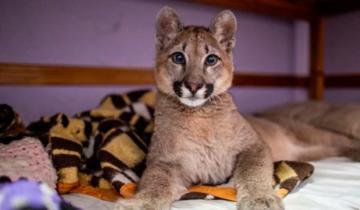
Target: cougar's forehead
(194,40)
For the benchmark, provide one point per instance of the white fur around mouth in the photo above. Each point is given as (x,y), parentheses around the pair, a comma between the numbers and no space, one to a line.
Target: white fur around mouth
(192,102)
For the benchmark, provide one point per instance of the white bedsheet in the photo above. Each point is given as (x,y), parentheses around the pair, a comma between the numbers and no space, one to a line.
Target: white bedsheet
(335,185)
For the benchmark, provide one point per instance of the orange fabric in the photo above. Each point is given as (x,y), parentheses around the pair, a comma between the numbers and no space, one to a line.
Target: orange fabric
(103,194)
(282,192)
(64,188)
(128,190)
(226,193)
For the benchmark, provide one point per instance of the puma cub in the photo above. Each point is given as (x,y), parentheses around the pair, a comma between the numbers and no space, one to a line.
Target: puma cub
(199,135)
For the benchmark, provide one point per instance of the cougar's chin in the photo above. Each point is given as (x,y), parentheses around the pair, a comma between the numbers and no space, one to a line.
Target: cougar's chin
(192,101)
(194,97)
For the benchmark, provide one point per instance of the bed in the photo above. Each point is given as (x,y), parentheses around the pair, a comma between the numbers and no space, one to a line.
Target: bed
(335,183)
(326,189)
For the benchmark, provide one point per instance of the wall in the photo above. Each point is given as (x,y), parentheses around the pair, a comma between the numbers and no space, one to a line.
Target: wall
(342,52)
(121,33)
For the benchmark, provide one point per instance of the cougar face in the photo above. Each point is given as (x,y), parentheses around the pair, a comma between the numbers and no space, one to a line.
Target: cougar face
(193,63)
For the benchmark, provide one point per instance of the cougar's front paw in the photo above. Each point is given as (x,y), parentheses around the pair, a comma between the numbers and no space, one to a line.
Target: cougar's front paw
(130,204)
(269,202)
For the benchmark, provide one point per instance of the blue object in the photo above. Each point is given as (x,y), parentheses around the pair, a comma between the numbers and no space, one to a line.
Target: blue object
(30,195)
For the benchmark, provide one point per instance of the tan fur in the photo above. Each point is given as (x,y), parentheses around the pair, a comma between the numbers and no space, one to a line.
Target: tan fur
(200,138)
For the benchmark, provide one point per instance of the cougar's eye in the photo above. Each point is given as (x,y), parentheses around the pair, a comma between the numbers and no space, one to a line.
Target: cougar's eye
(178,58)
(211,60)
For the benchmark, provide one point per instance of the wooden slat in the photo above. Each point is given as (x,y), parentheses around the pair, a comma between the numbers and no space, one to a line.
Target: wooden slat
(289,9)
(343,81)
(277,8)
(30,74)
(316,87)
(266,80)
(335,7)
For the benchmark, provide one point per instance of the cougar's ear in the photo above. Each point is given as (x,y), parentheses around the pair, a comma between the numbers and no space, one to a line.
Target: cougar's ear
(223,27)
(168,25)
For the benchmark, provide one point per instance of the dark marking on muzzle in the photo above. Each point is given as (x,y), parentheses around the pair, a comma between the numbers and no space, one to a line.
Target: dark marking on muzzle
(177,88)
(209,90)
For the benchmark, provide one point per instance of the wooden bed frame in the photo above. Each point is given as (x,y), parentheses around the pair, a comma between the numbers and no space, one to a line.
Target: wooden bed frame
(312,11)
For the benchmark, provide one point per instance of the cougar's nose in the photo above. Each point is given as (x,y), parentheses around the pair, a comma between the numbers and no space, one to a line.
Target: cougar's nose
(193,86)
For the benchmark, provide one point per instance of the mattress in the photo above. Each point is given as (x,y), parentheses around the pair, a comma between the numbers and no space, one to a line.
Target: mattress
(334,185)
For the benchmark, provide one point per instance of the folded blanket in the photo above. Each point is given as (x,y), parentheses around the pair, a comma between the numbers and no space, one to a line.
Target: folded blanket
(21,156)
(26,158)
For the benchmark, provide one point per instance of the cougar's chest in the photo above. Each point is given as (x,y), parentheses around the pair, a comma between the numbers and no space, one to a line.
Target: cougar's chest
(208,163)
(202,142)
(207,155)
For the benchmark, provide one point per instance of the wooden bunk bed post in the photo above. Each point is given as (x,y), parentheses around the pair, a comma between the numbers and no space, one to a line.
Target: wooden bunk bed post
(316,76)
